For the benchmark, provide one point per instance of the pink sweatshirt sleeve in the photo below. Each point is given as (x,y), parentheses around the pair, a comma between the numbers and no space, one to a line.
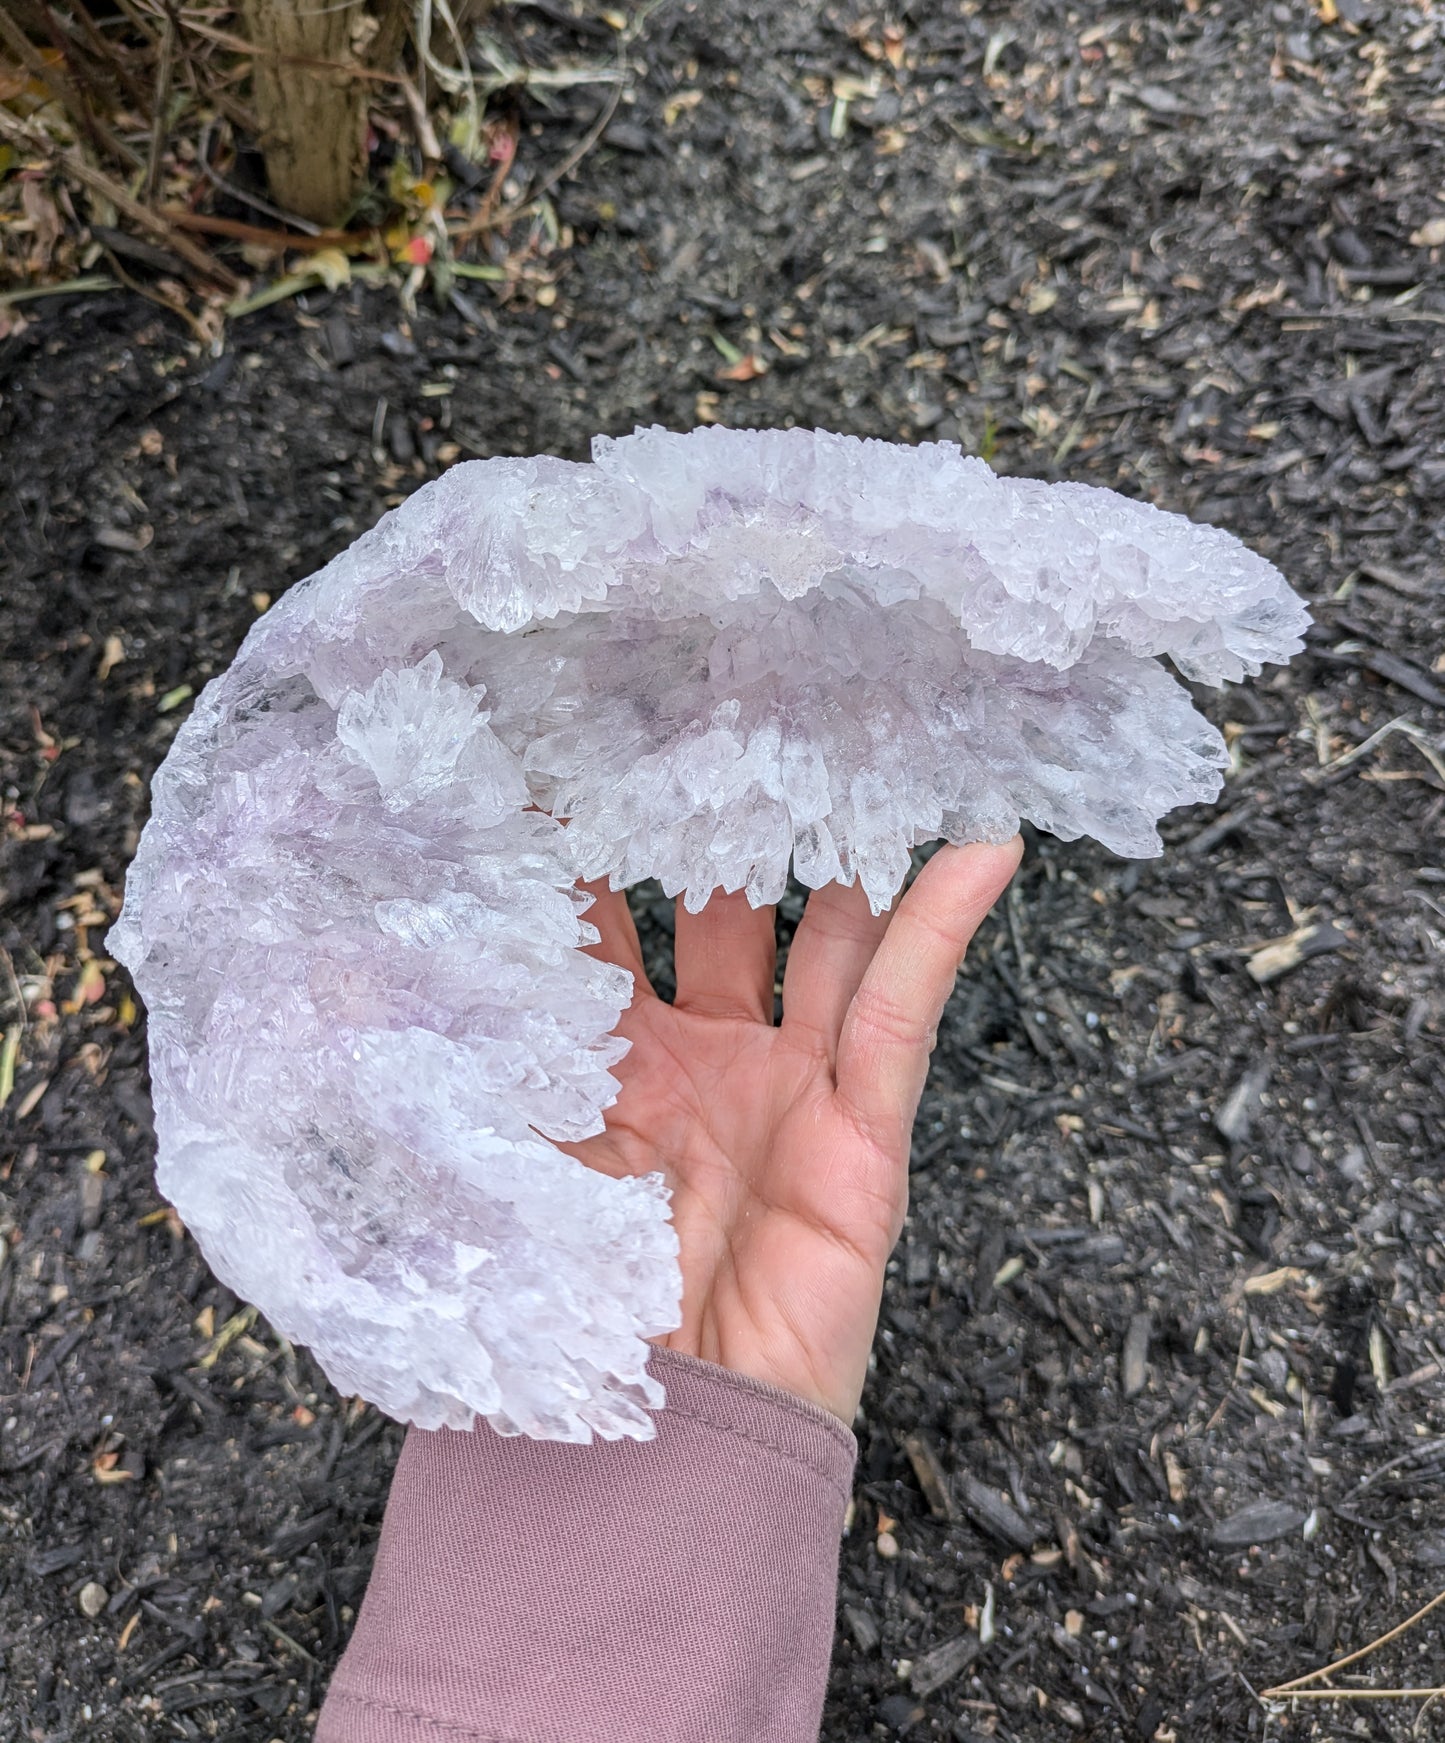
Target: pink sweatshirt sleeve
(679,1590)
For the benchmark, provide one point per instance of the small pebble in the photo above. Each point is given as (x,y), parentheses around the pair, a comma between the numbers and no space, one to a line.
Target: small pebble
(93,1599)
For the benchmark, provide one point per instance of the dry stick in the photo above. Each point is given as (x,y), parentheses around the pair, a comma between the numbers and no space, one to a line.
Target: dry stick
(1425,1449)
(385,47)
(162,102)
(151,296)
(1419,739)
(204,84)
(278,241)
(1358,1694)
(422,128)
(1235,1379)
(1298,1685)
(60,32)
(197,258)
(568,163)
(246,198)
(57,82)
(141,20)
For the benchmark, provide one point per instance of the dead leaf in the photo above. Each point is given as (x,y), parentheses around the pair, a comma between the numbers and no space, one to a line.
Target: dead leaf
(1431,234)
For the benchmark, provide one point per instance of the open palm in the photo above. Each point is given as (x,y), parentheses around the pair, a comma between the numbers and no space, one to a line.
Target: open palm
(786,1146)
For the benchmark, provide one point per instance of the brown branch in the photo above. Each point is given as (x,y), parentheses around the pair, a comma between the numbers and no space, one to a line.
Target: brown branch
(1297,1687)
(62,31)
(202,263)
(69,98)
(258,235)
(386,46)
(164,67)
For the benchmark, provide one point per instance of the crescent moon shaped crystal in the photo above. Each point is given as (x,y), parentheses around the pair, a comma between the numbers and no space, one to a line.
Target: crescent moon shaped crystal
(354,916)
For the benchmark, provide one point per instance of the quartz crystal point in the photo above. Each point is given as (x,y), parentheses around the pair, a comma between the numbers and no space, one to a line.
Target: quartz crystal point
(353,915)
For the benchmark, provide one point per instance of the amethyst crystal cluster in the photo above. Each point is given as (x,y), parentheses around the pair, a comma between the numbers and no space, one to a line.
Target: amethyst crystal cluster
(354,917)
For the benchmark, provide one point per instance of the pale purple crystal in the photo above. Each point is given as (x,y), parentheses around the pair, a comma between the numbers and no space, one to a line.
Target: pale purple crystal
(360,942)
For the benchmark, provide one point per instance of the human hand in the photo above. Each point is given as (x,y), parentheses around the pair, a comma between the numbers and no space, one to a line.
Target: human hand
(786,1147)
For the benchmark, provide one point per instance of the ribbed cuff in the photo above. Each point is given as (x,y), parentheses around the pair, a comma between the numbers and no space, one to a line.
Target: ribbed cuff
(679,1590)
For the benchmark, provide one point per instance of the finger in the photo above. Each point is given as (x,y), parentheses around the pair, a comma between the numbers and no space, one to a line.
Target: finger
(619,943)
(725,959)
(892,1023)
(835,941)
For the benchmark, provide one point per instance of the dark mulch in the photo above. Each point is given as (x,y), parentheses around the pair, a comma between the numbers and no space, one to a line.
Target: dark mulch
(1158,1385)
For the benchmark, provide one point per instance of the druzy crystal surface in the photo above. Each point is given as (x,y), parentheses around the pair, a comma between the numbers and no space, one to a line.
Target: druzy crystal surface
(353,915)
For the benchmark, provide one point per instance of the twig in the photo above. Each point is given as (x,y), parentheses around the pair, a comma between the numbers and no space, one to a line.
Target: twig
(277,240)
(1298,1685)
(421,123)
(1420,1716)
(204,264)
(1362,312)
(61,33)
(217,180)
(164,67)
(141,290)
(1417,737)
(568,163)
(141,20)
(70,99)
(287,1640)
(66,288)
(1357,1694)
(1426,1449)
(589,139)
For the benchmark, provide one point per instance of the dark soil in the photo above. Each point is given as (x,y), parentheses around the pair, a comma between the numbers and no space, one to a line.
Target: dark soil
(1167,1317)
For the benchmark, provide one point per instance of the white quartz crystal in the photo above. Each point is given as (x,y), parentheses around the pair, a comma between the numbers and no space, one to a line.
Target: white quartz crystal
(353,915)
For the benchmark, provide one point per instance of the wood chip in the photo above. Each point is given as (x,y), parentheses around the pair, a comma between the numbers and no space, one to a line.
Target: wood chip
(1280,955)
(862,1627)
(31,1099)
(932,1478)
(942,1664)
(1263,1522)
(1134,1363)
(992,1514)
(1236,1118)
(1404,674)
(1411,586)
(1271,1282)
